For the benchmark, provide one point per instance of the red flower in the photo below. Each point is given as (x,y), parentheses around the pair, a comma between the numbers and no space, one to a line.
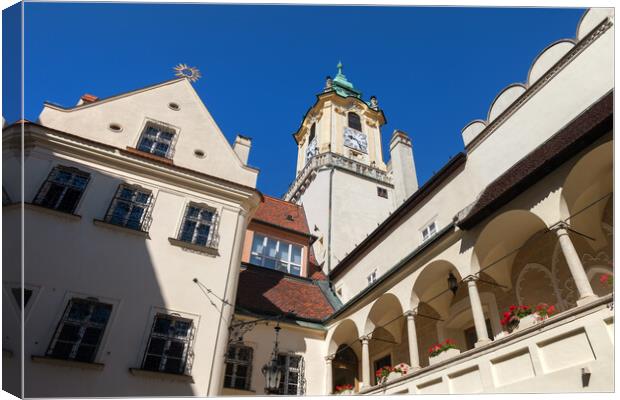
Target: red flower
(603,279)
(511,308)
(551,310)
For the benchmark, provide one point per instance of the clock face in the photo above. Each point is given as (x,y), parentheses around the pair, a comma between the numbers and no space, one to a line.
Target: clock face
(355,140)
(312,150)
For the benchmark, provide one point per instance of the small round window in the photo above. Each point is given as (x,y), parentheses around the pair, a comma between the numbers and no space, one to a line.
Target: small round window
(174,106)
(114,127)
(199,153)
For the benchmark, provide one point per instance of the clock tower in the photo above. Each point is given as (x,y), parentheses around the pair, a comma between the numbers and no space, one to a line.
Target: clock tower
(346,188)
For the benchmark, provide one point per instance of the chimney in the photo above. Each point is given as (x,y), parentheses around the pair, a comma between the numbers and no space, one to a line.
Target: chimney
(87,98)
(403,167)
(242,147)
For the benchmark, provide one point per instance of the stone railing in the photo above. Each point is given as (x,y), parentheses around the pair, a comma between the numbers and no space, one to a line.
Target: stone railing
(570,352)
(338,161)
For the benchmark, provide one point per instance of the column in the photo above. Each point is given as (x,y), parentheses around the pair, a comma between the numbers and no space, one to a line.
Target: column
(329,380)
(476,310)
(414,354)
(586,294)
(366,362)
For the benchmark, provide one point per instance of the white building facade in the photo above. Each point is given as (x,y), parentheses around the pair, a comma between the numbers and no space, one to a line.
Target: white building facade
(135,214)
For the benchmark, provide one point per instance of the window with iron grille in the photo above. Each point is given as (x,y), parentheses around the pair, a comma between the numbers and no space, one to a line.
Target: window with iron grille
(198,225)
(80,330)
(130,208)
(292,382)
(169,345)
(238,367)
(157,139)
(62,189)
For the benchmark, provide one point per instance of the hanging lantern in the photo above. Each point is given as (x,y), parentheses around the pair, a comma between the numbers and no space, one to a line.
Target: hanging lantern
(272,371)
(452,283)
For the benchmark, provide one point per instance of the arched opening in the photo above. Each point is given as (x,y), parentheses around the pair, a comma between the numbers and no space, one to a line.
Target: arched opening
(345,367)
(386,327)
(354,121)
(345,346)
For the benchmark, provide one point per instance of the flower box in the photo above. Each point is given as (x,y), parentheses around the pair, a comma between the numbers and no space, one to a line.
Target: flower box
(394,375)
(444,355)
(347,392)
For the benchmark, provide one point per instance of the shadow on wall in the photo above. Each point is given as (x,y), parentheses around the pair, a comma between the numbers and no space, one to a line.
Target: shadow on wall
(69,257)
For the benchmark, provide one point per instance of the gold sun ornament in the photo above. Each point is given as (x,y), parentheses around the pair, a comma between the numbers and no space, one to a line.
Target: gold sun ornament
(184,71)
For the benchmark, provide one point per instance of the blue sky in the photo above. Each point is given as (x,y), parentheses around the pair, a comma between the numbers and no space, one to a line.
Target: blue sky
(432,69)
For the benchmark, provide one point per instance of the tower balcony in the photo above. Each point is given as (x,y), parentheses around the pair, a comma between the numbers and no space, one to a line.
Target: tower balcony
(329,159)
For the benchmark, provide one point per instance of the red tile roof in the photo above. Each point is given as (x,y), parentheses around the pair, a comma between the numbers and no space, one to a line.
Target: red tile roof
(267,291)
(282,214)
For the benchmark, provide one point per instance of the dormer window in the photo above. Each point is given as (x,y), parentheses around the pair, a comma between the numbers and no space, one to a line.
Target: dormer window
(355,121)
(157,140)
(276,254)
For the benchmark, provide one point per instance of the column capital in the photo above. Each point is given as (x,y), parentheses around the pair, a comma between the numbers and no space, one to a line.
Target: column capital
(330,358)
(411,313)
(560,228)
(471,278)
(366,338)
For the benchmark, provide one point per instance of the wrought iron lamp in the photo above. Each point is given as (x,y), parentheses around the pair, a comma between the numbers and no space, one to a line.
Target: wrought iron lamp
(452,283)
(272,371)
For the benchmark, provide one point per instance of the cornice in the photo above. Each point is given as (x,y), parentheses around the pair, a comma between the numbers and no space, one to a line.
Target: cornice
(540,83)
(111,156)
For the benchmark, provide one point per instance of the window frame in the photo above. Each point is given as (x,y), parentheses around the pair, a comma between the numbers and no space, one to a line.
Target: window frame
(64,317)
(235,362)
(431,232)
(276,259)
(188,351)
(382,192)
(41,195)
(372,277)
(145,218)
(359,120)
(287,369)
(212,237)
(160,127)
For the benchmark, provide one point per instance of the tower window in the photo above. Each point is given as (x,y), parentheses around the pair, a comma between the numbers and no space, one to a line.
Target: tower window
(355,121)
(382,192)
(312,133)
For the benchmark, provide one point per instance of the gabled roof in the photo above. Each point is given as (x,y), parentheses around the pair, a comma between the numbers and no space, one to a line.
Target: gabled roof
(282,214)
(269,292)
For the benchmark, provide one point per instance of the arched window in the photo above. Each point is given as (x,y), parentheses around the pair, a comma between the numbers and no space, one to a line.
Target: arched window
(312,131)
(355,122)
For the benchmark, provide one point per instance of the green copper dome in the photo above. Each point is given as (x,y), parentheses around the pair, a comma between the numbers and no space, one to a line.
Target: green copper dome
(342,86)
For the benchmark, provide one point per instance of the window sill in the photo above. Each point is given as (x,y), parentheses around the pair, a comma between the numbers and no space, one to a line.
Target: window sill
(100,222)
(194,247)
(67,363)
(46,210)
(144,154)
(161,375)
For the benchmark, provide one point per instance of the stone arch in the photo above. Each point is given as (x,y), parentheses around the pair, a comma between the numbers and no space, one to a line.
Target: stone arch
(386,312)
(431,286)
(497,245)
(586,192)
(345,333)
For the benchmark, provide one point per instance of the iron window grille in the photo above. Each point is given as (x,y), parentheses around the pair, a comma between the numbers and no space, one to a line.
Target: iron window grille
(63,189)
(131,208)
(293,380)
(157,139)
(199,226)
(169,348)
(275,254)
(80,330)
(238,373)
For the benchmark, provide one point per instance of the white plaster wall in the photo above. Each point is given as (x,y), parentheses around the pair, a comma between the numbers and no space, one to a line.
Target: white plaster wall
(67,255)
(194,124)
(301,341)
